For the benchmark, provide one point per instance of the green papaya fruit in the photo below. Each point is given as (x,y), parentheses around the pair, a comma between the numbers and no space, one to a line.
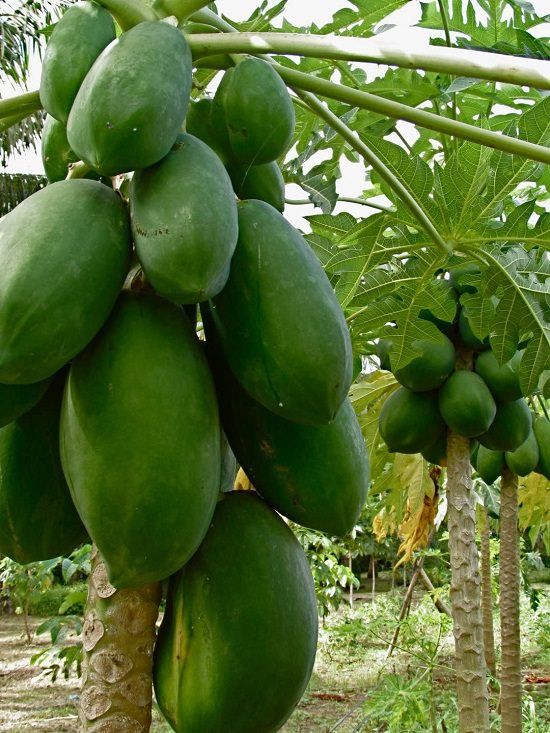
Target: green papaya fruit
(259,114)
(502,380)
(317,476)
(458,273)
(466,404)
(237,643)
(432,366)
(428,315)
(57,155)
(468,337)
(263,182)
(184,221)
(474,449)
(77,40)
(510,427)
(38,520)
(228,465)
(140,440)
(524,459)
(383,348)
(65,252)
(436,453)
(300,368)
(130,108)
(199,123)
(541,429)
(410,422)
(17,399)
(489,464)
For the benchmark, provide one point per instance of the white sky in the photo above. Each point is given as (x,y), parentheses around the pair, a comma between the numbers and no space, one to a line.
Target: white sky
(298,12)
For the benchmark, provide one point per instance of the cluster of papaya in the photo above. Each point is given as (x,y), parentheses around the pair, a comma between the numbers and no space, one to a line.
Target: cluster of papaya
(110,404)
(485,403)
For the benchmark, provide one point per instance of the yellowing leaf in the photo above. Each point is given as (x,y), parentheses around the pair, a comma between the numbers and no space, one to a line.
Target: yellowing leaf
(242,482)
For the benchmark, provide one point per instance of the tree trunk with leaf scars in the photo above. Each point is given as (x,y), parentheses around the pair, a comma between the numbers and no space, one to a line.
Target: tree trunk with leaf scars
(487,591)
(471,677)
(118,638)
(510,674)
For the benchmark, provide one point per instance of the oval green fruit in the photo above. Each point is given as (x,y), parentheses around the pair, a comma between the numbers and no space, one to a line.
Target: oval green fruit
(410,422)
(243,608)
(524,459)
(199,122)
(436,453)
(383,348)
(38,520)
(541,428)
(466,404)
(468,337)
(317,476)
(432,366)
(281,327)
(184,221)
(65,252)
(502,380)
(489,464)
(140,440)
(57,155)
(77,40)
(259,114)
(510,427)
(130,108)
(458,274)
(263,182)
(17,399)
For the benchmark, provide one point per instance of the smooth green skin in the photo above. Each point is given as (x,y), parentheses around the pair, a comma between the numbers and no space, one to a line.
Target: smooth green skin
(466,404)
(489,464)
(524,459)
(432,366)
(510,427)
(503,381)
(131,106)
(199,122)
(38,519)
(259,113)
(140,440)
(437,452)
(228,466)
(383,349)
(457,272)
(281,327)
(17,399)
(184,221)
(468,337)
(57,155)
(77,40)
(444,326)
(541,428)
(315,476)
(65,252)
(237,644)
(263,182)
(410,422)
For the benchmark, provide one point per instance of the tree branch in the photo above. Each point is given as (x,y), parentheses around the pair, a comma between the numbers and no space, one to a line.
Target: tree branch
(458,62)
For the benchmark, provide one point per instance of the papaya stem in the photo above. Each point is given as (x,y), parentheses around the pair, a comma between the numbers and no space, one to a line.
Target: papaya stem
(182,9)
(78,170)
(129,13)
(28,103)
(454,61)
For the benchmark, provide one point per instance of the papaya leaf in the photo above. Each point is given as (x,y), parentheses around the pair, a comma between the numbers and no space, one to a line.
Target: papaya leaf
(534,509)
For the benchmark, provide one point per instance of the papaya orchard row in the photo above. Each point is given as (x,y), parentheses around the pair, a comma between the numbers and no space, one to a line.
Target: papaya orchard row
(98,351)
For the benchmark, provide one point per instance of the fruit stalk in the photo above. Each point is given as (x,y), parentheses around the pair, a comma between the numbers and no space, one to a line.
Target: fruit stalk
(510,675)
(473,701)
(118,638)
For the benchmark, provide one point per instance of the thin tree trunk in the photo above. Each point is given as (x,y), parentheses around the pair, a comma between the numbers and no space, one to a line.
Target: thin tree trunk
(405,606)
(350,566)
(487,591)
(441,606)
(473,700)
(510,675)
(118,639)
(373,579)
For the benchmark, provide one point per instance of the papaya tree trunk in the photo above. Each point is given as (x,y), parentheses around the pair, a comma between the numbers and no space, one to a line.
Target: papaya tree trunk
(510,675)
(473,700)
(117,638)
(487,590)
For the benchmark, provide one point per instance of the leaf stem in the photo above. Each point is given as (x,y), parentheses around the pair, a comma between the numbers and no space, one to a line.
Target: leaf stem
(129,13)
(182,9)
(455,61)
(543,406)
(378,165)
(8,122)
(347,200)
(28,102)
